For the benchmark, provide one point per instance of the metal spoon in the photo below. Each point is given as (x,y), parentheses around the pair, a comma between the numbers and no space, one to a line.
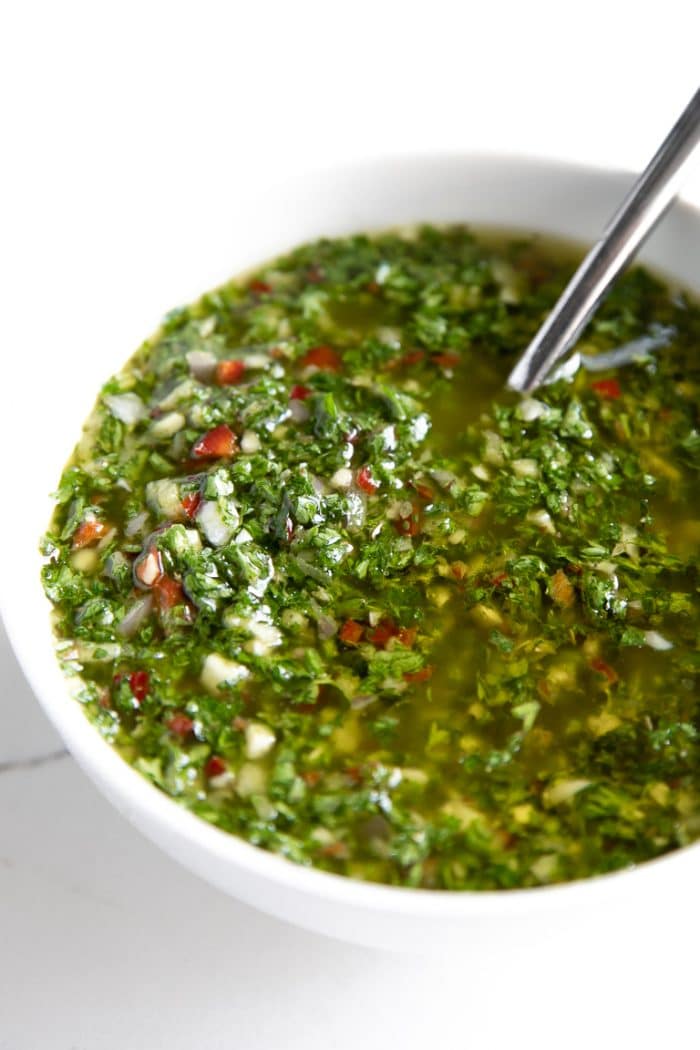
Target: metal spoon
(631,224)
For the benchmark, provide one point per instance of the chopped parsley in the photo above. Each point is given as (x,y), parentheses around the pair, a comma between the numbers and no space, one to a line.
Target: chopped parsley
(328,585)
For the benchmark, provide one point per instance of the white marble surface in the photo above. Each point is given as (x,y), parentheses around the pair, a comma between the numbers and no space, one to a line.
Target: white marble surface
(105,944)
(118,118)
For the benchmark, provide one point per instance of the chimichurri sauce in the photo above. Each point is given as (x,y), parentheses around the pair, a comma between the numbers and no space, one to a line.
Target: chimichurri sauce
(323,581)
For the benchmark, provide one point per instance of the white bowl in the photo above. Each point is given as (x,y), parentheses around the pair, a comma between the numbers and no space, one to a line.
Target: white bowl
(487,190)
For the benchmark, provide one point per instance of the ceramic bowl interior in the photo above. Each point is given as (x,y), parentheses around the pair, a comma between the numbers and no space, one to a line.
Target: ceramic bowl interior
(508,192)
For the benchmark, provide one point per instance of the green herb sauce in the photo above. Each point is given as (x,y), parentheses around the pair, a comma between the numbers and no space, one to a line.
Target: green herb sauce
(323,581)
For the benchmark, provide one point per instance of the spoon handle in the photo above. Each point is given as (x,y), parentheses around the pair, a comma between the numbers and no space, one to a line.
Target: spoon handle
(634,220)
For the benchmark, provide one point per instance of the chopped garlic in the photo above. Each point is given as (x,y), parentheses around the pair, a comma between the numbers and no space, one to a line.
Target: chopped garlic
(265,637)
(530,409)
(217,670)
(168,425)
(657,641)
(85,560)
(127,408)
(342,479)
(211,521)
(259,739)
(251,779)
(526,468)
(542,519)
(563,791)
(163,497)
(250,442)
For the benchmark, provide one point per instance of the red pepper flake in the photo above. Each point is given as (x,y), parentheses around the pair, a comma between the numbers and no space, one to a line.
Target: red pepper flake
(423,490)
(311,777)
(543,688)
(335,850)
(229,372)
(190,503)
(180,724)
(167,593)
(354,773)
(381,635)
(373,288)
(605,669)
(413,357)
(221,441)
(324,358)
(351,632)
(608,389)
(299,392)
(446,360)
(214,767)
(259,287)
(407,636)
(419,676)
(562,590)
(139,685)
(499,578)
(365,480)
(409,526)
(89,532)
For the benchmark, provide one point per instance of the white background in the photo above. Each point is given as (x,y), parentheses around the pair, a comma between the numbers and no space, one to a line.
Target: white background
(126,128)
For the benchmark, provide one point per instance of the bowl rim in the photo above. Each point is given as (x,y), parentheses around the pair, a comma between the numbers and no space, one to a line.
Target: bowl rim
(133,794)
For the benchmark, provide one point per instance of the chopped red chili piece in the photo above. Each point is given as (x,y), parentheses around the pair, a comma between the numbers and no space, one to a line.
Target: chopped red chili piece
(409,526)
(447,360)
(190,503)
(299,392)
(351,632)
(260,287)
(139,685)
(229,372)
(221,441)
(89,532)
(365,480)
(608,389)
(499,578)
(311,777)
(406,636)
(419,676)
(605,669)
(167,593)
(335,850)
(380,635)
(180,724)
(423,490)
(214,767)
(406,360)
(323,357)
(373,288)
